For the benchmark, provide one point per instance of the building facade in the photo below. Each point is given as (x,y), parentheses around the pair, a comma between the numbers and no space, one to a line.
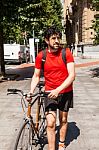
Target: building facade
(78,16)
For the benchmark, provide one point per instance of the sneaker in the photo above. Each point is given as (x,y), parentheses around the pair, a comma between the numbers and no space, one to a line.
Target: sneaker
(61,146)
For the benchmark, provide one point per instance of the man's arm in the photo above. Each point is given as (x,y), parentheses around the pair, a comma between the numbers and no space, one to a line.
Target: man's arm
(35,80)
(70,78)
(67,82)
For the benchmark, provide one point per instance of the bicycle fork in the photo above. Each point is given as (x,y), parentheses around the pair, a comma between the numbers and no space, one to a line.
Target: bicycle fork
(29,110)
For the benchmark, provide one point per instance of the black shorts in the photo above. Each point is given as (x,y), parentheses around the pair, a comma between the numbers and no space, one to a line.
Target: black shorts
(63,102)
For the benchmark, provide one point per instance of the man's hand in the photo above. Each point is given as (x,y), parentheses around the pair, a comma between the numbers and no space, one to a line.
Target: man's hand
(53,94)
(28,97)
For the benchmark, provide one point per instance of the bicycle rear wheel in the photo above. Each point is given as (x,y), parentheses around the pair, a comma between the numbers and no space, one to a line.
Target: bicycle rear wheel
(26,139)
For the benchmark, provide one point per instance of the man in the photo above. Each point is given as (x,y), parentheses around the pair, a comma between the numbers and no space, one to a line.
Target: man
(58,82)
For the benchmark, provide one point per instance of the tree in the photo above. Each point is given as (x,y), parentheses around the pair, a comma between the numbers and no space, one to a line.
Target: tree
(8,14)
(95,26)
(9,24)
(37,14)
(40,14)
(1,41)
(18,17)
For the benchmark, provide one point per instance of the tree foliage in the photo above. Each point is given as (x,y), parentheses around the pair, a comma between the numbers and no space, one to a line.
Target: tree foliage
(29,14)
(95,6)
(19,18)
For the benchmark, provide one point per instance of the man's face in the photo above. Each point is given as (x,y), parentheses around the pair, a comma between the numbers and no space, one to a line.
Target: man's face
(54,42)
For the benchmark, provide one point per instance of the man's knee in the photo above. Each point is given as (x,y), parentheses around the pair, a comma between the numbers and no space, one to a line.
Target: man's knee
(51,124)
(51,120)
(63,120)
(63,117)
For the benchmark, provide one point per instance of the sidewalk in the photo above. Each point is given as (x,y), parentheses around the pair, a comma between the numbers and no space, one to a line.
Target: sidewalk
(83,131)
(83,126)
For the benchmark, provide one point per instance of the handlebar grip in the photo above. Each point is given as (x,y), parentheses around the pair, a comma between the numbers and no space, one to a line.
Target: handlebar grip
(12,90)
(15,90)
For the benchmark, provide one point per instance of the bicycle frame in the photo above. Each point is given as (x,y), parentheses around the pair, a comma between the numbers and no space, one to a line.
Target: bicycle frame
(32,128)
(29,117)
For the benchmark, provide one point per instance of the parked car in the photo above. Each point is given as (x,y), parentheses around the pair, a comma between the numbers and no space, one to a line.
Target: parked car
(14,53)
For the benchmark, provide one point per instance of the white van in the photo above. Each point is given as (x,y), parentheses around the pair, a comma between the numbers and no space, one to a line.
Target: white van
(14,53)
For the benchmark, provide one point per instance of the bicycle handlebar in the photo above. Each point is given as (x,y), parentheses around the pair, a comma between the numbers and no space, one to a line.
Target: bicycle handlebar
(15,91)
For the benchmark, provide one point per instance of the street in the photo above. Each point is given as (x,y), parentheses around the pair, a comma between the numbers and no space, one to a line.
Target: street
(83,126)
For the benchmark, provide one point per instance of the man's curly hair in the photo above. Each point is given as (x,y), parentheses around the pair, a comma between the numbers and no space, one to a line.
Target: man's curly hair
(51,31)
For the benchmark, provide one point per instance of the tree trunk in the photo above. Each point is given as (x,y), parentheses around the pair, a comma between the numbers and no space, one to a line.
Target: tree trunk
(2,65)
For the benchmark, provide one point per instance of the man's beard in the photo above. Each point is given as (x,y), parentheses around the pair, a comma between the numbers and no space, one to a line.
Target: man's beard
(54,49)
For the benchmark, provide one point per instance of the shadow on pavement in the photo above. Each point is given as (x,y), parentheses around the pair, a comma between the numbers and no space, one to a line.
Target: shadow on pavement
(22,73)
(72,133)
(95,72)
(25,73)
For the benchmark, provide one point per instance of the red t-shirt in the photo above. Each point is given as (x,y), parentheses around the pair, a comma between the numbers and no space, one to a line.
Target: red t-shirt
(55,71)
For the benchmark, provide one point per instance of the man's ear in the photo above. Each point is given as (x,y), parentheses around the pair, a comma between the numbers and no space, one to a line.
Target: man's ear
(46,40)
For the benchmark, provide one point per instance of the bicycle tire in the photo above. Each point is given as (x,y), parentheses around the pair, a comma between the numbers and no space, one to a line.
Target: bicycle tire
(41,120)
(26,139)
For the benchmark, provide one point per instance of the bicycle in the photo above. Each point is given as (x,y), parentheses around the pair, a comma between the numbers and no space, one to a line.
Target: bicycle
(33,129)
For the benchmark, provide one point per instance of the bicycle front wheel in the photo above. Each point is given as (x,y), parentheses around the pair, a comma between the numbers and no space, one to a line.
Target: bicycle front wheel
(25,138)
(40,118)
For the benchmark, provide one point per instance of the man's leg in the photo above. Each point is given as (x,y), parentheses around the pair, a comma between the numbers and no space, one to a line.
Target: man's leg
(63,125)
(51,123)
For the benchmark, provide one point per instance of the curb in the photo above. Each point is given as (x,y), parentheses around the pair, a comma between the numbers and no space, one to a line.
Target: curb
(9,77)
(87,64)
